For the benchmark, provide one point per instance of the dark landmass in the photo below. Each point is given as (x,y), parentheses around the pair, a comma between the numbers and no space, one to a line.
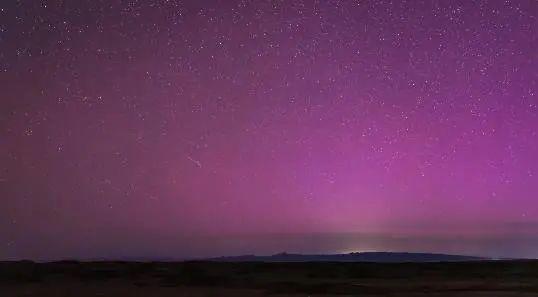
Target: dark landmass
(277,279)
(379,257)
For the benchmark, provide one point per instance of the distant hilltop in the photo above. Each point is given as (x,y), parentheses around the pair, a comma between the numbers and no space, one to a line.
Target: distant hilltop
(382,257)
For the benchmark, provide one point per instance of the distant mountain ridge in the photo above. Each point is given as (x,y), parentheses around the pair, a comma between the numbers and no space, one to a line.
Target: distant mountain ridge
(382,257)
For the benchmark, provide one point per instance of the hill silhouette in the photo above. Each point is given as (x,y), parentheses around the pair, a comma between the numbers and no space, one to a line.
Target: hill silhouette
(381,257)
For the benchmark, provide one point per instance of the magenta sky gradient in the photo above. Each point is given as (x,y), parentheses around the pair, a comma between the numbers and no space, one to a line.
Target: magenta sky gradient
(191,128)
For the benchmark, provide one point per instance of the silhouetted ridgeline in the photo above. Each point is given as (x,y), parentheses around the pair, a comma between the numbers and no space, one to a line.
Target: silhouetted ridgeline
(381,257)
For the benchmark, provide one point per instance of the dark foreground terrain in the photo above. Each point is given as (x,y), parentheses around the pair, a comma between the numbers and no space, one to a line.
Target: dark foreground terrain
(156,279)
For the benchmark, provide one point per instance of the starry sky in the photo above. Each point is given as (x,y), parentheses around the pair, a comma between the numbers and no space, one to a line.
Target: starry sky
(177,129)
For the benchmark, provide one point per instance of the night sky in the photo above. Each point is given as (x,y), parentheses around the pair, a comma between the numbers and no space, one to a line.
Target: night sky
(177,129)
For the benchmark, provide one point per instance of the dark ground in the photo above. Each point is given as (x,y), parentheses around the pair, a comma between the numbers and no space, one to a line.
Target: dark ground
(119,279)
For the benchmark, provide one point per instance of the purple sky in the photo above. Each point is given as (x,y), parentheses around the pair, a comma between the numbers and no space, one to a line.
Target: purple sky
(173,129)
